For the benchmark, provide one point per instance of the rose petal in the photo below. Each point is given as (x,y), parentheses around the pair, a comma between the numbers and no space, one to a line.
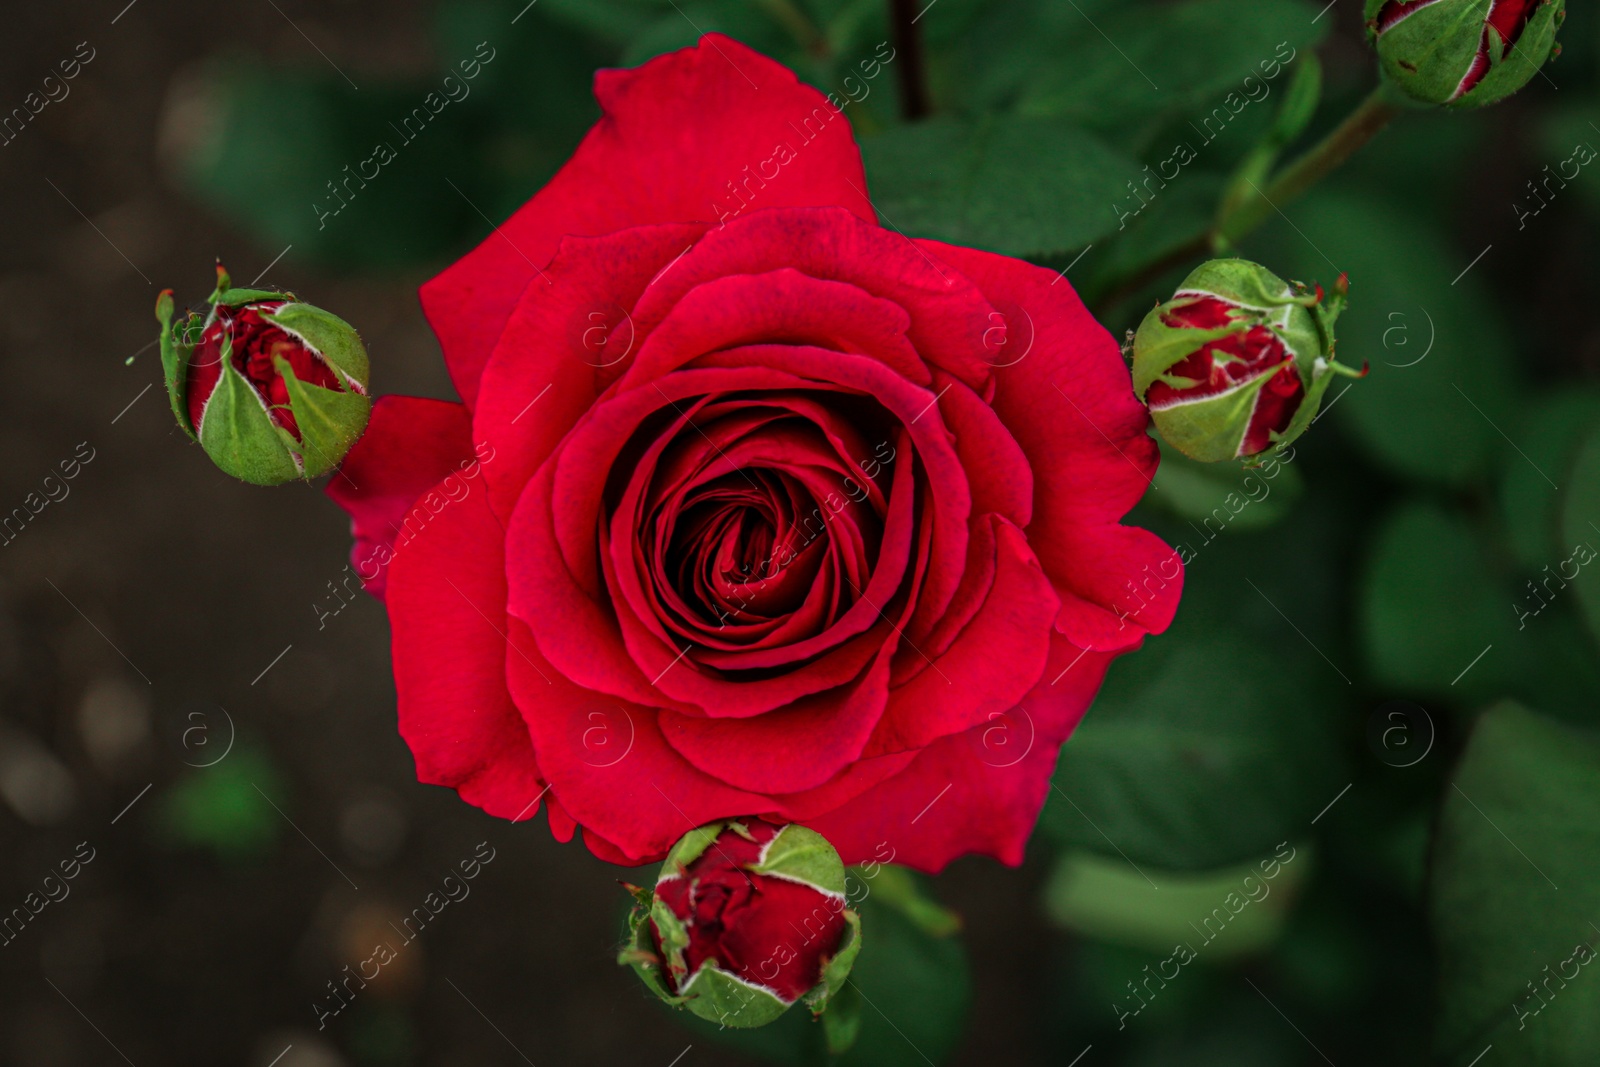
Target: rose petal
(778,306)
(675,135)
(1064,393)
(989,666)
(410,445)
(552,552)
(607,761)
(1125,584)
(770,450)
(949,317)
(789,750)
(968,793)
(570,329)
(447,609)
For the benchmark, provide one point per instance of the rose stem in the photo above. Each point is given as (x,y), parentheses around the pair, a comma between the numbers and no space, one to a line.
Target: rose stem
(903,14)
(1359,127)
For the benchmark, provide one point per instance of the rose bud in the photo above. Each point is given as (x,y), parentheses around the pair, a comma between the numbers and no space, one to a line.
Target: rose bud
(747,917)
(272,388)
(1463,53)
(1237,361)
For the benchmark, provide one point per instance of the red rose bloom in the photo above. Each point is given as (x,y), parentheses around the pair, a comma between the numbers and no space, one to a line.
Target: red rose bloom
(753,507)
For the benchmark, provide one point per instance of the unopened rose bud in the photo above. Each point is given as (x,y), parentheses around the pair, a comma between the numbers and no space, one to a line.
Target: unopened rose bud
(1237,361)
(747,918)
(272,388)
(1463,53)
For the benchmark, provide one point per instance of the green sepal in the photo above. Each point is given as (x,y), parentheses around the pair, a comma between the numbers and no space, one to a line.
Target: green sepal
(1535,47)
(639,952)
(1158,347)
(329,420)
(836,968)
(1306,413)
(326,334)
(224,283)
(1265,300)
(690,847)
(1212,429)
(721,998)
(174,362)
(1427,54)
(225,295)
(232,298)
(673,937)
(1240,281)
(798,854)
(239,435)
(841,1023)
(901,889)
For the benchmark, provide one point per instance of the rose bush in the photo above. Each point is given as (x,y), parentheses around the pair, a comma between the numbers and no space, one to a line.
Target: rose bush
(752,506)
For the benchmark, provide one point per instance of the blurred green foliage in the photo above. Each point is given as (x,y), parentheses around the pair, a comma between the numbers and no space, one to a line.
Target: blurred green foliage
(225,808)
(1407,552)
(1514,896)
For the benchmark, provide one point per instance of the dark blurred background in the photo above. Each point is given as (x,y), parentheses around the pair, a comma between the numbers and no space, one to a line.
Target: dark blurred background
(185,699)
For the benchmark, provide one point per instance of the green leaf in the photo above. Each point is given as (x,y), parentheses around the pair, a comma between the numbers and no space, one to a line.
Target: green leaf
(907,892)
(1180,765)
(298,156)
(1221,914)
(841,1023)
(1133,62)
(1440,616)
(1580,524)
(1222,494)
(1514,894)
(1549,432)
(1426,607)
(1021,186)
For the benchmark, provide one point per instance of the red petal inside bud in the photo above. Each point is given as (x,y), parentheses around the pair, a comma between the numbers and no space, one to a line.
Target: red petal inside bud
(1509,18)
(1230,363)
(765,930)
(1396,10)
(255,346)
